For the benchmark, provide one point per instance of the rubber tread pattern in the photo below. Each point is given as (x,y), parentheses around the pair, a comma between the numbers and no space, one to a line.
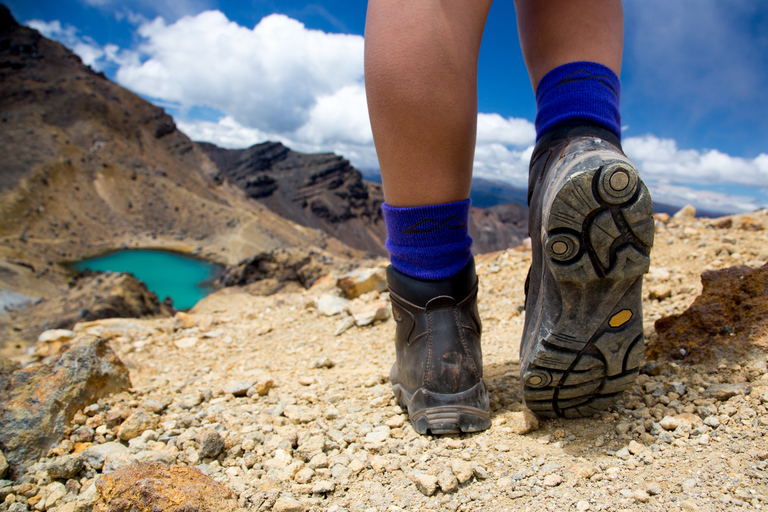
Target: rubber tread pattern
(591,363)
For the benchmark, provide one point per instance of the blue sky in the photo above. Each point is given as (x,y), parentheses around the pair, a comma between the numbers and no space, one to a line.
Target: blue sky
(694,110)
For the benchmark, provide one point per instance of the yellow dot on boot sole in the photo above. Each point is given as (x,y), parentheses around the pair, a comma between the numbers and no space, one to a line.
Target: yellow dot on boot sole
(620,318)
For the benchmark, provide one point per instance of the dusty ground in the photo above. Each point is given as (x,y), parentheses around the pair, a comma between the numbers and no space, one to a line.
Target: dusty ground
(327,434)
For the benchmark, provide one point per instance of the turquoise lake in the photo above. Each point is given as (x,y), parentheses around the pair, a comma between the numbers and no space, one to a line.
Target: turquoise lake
(184,279)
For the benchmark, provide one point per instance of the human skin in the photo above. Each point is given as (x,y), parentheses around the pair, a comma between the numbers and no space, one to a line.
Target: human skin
(421,80)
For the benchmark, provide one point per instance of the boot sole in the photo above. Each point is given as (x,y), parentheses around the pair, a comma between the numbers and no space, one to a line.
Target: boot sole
(434,413)
(598,230)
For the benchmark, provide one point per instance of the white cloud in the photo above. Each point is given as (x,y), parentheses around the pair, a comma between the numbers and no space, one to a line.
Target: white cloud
(270,77)
(710,200)
(667,169)
(662,159)
(85,47)
(281,81)
(492,128)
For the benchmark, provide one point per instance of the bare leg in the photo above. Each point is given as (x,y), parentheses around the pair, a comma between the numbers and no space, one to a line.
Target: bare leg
(421,82)
(556,32)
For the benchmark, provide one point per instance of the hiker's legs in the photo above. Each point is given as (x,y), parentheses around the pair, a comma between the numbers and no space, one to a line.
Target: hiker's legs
(556,32)
(421,83)
(590,216)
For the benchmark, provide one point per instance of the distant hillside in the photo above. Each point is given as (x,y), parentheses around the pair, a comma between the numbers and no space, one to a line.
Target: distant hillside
(320,191)
(324,191)
(87,166)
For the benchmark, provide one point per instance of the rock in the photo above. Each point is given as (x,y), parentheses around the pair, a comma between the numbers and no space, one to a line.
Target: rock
(362,280)
(522,422)
(582,506)
(54,335)
(44,398)
(186,342)
(280,266)
(448,482)
(688,421)
(480,472)
(134,425)
(583,471)
(53,494)
(330,305)
(366,314)
(732,302)
(689,506)
(346,323)
(669,423)
(94,296)
(462,470)
(7,367)
(261,386)
(653,488)
(634,447)
(66,467)
(183,320)
(154,406)
(240,387)
(287,504)
(552,480)
(641,496)
(622,453)
(685,214)
(324,362)
(211,443)
(723,392)
(152,487)
(323,487)
(426,484)
(96,455)
(3,466)
(53,341)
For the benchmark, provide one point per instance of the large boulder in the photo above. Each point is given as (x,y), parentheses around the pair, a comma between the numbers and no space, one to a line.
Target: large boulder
(270,271)
(91,296)
(43,398)
(154,487)
(733,304)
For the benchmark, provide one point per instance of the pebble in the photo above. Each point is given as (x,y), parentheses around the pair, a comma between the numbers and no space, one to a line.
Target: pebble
(582,506)
(426,484)
(211,443)
(462,470)
(653,488)
(448,482)
(553,480)
(669,423)
(287,504)
(134,425)
(641,496)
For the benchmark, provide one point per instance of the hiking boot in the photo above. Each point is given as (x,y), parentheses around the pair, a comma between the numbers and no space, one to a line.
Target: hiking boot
(438,373)
(591,226)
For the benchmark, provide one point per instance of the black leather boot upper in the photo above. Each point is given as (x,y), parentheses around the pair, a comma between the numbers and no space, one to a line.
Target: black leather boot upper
(438,332)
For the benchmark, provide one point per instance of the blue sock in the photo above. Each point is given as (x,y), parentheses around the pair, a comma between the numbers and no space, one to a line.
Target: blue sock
(428,242)
(578,92)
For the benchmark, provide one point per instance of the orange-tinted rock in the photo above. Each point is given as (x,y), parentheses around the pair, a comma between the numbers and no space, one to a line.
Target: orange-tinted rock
(44,398)
(154,487)
(732,303)
(362,280)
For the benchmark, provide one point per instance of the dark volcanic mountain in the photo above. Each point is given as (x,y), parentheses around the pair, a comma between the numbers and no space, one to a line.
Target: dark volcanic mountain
(320,191)
(324,191)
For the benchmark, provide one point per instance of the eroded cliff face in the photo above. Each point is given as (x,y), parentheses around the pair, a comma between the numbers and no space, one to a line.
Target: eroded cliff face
(321,191)
(324,191)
